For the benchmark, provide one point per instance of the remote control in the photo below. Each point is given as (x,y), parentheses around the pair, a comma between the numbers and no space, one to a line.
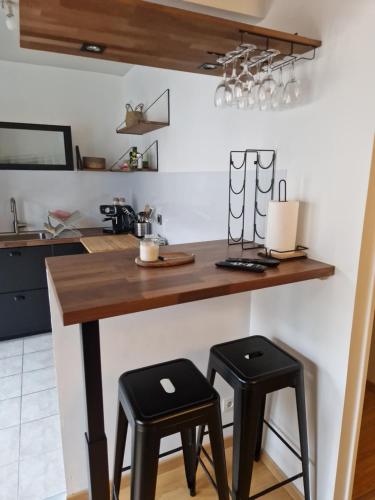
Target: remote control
(242,266)
(265,261)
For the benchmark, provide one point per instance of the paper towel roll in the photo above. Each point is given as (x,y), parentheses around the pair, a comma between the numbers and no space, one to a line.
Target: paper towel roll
(282,219)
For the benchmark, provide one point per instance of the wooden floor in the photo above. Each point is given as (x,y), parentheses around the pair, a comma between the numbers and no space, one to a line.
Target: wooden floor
(364,481)
(171,483)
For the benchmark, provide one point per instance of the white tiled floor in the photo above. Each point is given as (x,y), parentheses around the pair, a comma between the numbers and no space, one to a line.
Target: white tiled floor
(31,462)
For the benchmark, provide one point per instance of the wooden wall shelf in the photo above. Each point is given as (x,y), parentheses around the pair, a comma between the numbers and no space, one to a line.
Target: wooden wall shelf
(144,33)
(142,128)
(118,171)
(146,126)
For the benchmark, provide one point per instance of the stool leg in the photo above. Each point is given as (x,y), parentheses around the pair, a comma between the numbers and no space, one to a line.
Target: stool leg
(302,424)
(122,428)
(260,431)
(189,447)
(247,411)
(215,431)
(211,373)
(145,458)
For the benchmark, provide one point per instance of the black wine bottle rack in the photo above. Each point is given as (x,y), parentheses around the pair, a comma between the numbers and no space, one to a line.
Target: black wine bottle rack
(237,195)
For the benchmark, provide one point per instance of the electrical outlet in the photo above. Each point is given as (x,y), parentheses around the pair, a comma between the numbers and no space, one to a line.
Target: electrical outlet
(159,219)
(227,405)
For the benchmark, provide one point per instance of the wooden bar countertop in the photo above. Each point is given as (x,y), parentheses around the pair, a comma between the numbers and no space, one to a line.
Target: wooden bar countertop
(109,242)
(24,240)
(102,285)
(93,239)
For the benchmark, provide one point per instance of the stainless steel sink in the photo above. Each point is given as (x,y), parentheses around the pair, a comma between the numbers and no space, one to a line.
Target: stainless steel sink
(32,235)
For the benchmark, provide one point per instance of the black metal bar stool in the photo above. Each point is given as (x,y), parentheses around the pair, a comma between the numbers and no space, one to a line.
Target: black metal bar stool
(160,400)
(255,367)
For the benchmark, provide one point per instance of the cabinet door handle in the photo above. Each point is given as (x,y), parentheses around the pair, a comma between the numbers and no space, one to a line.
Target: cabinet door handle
(19,298)
(14,253)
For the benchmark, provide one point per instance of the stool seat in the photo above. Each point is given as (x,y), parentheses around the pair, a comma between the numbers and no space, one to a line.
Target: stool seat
(145,389)
(255,367)
(162,400)
(254,359)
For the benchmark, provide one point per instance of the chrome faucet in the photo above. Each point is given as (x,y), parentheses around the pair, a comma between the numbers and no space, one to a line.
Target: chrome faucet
(17,225)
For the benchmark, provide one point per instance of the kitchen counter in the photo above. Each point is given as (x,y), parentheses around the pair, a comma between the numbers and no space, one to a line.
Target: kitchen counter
(92,297)
(27,242)
(109,243)
(93,287)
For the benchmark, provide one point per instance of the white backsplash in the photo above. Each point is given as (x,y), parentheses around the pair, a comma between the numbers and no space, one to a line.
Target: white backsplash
(37,192)
(194,206)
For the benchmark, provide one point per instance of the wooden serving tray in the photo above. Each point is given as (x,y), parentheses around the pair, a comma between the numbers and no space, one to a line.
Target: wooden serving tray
(168,260)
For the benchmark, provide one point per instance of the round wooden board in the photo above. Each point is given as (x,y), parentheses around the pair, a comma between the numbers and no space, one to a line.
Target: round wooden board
(171,259)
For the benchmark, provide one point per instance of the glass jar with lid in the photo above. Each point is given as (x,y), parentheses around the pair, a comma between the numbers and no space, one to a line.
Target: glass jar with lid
(149,248)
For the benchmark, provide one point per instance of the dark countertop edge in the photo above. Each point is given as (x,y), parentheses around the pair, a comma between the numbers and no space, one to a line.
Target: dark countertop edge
(100,313)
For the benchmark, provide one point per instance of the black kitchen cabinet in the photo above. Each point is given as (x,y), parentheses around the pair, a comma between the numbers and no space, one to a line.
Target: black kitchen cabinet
(23,268)
(24,304)
(24,313)
(68,249)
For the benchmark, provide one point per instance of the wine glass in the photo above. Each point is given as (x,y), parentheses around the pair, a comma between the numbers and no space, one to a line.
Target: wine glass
(278,93)
(223,92)
(245,81)
(231,97)
(253,95)
(268,85)
(292,90)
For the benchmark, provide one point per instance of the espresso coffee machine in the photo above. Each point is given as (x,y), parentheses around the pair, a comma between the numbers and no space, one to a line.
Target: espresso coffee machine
(122,217)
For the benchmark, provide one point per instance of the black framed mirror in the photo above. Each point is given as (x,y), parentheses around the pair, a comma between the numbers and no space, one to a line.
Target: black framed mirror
(29,146)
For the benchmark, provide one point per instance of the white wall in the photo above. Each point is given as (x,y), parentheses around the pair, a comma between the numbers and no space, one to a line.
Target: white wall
(325,144)
(91,104)
(332,140)
(128,342)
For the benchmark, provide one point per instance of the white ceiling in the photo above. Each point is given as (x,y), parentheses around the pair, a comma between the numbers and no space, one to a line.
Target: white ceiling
(10,50)
(246,11)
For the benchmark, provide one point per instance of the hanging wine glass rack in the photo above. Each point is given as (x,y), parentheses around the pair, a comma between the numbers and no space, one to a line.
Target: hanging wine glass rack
(262,52)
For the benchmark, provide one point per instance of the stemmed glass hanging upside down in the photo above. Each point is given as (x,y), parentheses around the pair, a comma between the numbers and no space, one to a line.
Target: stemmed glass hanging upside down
(261,89)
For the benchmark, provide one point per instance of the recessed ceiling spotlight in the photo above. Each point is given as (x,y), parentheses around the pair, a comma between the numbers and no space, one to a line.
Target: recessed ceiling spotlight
(10,18)
(209,66)
(93,48)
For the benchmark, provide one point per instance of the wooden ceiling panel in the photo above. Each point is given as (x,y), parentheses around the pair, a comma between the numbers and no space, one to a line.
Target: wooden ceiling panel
(138,32)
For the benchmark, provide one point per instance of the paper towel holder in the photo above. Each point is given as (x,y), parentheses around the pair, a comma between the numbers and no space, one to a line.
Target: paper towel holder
(282,182)
(299,252)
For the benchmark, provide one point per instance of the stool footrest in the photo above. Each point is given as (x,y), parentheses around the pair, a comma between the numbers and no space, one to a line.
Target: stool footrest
(175,450)
(272,429)
(284,441)
(207,456)
(276,486)
(207,472)
(161,455)
(267,490)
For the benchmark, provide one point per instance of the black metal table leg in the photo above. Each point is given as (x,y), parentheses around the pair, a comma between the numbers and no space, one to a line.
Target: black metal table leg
(95,435)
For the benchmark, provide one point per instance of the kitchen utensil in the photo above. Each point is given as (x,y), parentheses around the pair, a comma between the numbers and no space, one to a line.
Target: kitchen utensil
(142,229)
(148,211)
